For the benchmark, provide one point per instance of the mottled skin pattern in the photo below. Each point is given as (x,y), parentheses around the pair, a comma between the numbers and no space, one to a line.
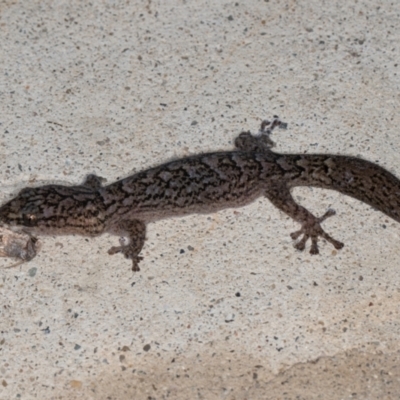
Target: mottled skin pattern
(203,183)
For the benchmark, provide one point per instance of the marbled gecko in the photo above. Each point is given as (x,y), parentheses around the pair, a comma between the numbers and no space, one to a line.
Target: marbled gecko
(203,183)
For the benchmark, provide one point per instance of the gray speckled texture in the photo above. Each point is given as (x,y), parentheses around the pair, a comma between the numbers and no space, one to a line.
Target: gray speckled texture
(224,307)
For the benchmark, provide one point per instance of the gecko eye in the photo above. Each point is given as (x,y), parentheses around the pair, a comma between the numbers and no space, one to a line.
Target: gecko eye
(30,219)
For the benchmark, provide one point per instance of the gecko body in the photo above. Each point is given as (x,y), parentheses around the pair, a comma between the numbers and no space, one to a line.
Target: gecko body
(204,183)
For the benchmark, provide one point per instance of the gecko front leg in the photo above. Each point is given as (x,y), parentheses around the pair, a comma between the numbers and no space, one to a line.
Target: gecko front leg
(281,198)
(136,232)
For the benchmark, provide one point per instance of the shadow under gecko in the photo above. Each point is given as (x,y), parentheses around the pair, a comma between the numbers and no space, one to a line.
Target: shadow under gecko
(203,183)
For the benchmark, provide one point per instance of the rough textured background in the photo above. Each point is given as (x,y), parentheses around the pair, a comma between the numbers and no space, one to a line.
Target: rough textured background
(224,307)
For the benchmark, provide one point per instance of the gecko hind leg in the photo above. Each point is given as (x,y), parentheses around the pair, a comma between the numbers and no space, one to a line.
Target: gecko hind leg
(93,181)
(312,231)
(136,232)
(311,228)
(262,141)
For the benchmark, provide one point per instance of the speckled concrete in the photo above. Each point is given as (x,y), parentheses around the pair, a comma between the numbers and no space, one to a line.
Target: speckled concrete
(224,307)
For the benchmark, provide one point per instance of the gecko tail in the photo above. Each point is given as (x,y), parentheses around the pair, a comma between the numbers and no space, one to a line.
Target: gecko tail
(367,182)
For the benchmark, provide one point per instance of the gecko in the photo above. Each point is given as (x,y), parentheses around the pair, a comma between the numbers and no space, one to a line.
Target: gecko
(200,184)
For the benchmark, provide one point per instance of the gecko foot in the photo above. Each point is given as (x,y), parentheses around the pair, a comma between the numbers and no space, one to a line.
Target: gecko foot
(312,229)
(128,253)
(268,126)
(135,231)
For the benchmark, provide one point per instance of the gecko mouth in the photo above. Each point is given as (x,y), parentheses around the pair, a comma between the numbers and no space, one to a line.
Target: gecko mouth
(12,213)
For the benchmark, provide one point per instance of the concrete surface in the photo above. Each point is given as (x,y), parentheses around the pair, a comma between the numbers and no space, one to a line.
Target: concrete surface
(224,307)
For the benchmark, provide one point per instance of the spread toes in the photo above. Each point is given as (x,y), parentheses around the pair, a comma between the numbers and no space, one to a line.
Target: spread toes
(312,230)
(128,252)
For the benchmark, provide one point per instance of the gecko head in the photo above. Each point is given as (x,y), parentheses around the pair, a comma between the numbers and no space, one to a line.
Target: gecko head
(24,209)
(54,207)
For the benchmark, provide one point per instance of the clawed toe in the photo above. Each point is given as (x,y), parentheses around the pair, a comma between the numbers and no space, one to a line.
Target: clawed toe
(329,213)
(314,246)
(336,244)
(301,245)
(295,235)
(135,263)
(115,250)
